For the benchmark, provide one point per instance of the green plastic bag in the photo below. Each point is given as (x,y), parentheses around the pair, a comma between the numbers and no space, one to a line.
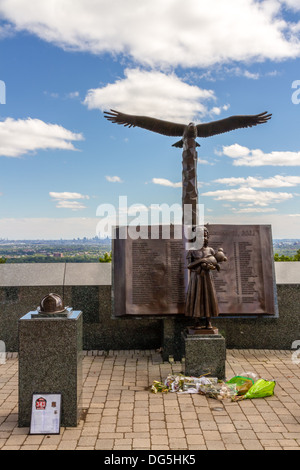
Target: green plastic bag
(243,384)
(262,388)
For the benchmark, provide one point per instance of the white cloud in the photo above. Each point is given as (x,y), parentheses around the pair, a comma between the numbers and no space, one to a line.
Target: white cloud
(250,195)
(249,210)
(73,205)
(216,110)
(6,30)
(251,75)
(162,95)
(113,179)
(67,196)
(170,184)
(203,161)
(239,72)
(245,157)
(73,94)
(52,94)
(166,182)
(172,32)
(65,200)
(234,151)
(293,4)
(219,71)
(19,137)
(277,181)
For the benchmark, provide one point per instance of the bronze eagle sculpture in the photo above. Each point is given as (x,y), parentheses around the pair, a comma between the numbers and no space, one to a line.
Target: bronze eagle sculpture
(187,131)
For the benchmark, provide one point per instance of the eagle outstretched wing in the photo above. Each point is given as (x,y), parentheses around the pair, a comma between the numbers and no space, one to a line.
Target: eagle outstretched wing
(151,124)
(231,123)
(174,129)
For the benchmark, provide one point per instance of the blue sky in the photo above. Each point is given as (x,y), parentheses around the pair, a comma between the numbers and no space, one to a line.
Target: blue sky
(64,62)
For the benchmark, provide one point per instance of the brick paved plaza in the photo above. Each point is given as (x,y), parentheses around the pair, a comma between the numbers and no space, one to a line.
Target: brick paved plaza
(120,413)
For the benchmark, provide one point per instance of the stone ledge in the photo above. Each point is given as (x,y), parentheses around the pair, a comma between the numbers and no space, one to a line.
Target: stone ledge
(287,272)
(55,274)
(96,274)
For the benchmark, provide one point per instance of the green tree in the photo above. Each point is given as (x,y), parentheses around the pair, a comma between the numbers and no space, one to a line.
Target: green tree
(287,258)
(2,260)
(106,258)
(297,256)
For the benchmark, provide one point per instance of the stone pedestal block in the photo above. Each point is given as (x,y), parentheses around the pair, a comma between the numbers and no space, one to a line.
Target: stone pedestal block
(204,355)
(50,361)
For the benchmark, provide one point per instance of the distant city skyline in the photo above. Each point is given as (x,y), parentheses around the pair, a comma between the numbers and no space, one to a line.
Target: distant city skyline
(67,240)
(63,63)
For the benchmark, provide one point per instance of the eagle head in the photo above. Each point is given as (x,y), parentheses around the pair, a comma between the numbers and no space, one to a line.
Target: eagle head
(191,131)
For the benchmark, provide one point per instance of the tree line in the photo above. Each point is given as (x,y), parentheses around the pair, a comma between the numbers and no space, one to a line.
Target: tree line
(107,258)
(295,257)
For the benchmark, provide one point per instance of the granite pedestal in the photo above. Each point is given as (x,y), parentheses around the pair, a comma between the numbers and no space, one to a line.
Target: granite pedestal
(204,354)
(50,361)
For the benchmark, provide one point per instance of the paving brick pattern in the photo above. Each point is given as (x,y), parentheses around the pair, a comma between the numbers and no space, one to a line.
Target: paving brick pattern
(120,413)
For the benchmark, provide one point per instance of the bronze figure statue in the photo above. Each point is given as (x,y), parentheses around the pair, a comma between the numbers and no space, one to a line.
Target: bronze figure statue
(201,299)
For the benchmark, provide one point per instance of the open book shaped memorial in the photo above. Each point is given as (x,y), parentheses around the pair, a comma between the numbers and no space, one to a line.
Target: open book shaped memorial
(150,276)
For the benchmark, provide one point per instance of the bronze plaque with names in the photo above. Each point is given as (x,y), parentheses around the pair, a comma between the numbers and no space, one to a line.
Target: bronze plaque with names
(246,283)
(150,275)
